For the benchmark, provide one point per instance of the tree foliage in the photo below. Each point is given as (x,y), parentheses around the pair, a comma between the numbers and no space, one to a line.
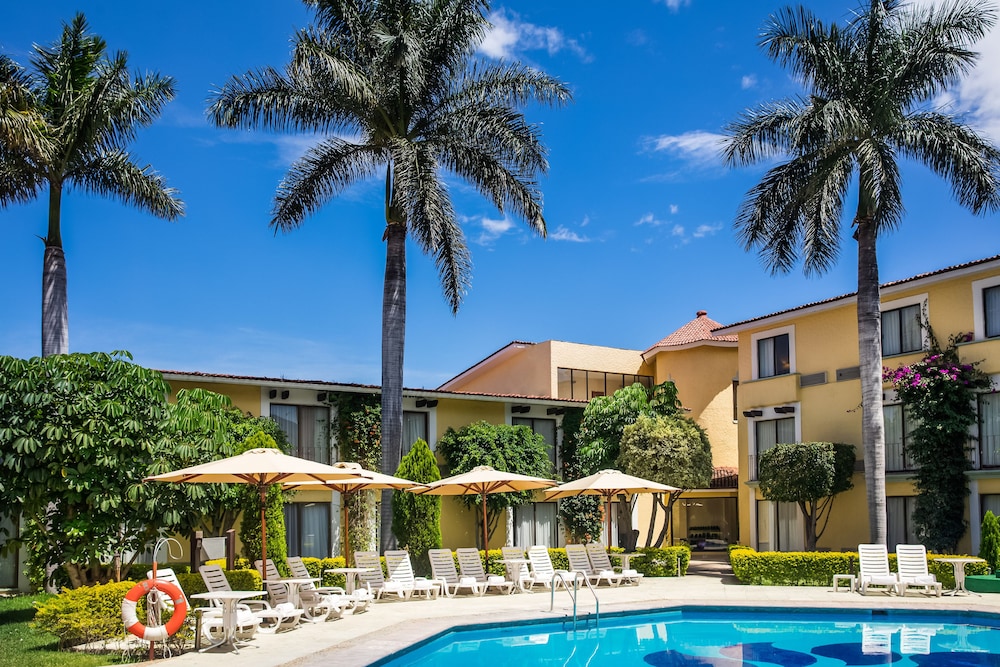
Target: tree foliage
(989,541)
(359,440)
(941,390)
(394,87)
(809,474)
(870,86)
(417,518)
(671,450)
(605,419)
(78,433)
(504,447)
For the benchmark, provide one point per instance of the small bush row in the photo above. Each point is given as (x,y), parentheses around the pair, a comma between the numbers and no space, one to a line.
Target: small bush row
(816,568)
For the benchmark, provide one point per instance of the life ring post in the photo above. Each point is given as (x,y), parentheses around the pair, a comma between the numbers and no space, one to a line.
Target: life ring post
(130,615)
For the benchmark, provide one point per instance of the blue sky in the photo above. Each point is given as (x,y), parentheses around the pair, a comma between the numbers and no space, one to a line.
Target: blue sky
(638,204)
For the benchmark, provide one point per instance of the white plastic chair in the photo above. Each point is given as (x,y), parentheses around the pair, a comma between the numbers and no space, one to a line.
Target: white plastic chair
(471,566)
(579,562)
(279,617)
(518,572)
(911,564)
(316,607)
(601,561)
(443,570)
(541,567)
(401,580)
(873,563)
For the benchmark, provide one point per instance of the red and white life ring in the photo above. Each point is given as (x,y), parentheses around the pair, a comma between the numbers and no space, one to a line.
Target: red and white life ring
(160,632)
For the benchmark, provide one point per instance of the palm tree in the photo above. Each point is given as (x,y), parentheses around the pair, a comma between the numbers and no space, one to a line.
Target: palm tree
(66,122)
(868,84)
(394,85)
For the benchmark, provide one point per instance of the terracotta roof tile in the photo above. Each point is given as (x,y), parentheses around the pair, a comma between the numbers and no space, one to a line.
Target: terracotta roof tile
(697,330)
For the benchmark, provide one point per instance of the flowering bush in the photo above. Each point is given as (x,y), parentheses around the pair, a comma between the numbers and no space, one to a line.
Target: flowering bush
(940,390)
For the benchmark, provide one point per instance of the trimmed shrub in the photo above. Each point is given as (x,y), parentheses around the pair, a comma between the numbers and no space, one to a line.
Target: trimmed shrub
(416,519)
(989,546)
(86,614)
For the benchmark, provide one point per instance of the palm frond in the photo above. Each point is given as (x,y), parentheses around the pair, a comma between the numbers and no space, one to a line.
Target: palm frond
(325,171)
(114,174)
(954,151)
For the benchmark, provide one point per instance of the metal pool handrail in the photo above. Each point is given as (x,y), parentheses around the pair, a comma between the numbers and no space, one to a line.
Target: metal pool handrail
(561,576)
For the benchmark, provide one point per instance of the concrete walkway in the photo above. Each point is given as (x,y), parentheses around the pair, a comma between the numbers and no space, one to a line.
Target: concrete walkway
(391,625)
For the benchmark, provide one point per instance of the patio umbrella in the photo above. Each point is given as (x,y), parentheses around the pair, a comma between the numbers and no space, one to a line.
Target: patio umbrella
(259,468)
(608,484)
(481,481)
(361,481)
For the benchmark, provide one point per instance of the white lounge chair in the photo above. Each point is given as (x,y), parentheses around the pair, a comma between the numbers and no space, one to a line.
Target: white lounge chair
(579,562)
(542,570)
(600,560)
(873,563)
(316,607)
(518,572)
(273,618)
(401,580)
(357,601)
(471,565)
(443,570)
(911,564)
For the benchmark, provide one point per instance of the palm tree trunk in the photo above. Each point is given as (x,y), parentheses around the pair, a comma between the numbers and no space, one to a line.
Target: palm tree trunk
(55,307)
(393,335)
(870,361)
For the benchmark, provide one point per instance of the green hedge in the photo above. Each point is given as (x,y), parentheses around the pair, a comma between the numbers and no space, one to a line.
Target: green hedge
(816,568)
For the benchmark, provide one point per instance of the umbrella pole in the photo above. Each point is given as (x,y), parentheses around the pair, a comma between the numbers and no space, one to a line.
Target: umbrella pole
(486,544)
(607,518)
(263,533)
(347,523)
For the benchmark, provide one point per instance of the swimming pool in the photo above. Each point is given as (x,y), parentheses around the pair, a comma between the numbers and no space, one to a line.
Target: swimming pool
(724,637)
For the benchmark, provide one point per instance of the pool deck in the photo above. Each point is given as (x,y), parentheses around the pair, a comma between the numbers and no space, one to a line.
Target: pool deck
(391,625)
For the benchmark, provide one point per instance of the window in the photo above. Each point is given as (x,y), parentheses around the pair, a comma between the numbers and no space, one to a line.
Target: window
(773,356)
(580,384)
(989,430)
(307,529)
(536,524)
(991,311)
(307,429)
(768,433)
(414,428)
(900,528)
(989,502)
(780,527)
(901,330)
(899,425)
(543,427)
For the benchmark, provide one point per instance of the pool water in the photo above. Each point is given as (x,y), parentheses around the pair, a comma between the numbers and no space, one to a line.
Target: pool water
(724,638)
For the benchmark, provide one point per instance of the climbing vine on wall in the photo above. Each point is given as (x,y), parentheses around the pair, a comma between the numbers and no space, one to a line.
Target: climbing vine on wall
(359,440)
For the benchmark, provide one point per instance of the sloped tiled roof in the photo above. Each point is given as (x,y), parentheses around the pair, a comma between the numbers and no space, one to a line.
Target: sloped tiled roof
(697,330)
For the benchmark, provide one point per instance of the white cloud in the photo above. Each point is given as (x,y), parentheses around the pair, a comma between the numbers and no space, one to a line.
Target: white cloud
(748,81)
(564,234)
(649,219)
(706,230)
(673,209)
(697,146)
(678,230)
(675,5)
(491,229)
(509,36)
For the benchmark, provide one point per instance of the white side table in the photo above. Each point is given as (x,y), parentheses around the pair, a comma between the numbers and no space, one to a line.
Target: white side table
(849,580)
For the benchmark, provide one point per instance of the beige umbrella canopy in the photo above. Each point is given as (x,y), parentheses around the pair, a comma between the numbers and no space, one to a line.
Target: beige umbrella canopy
(259,468)
(482,480)
(608,484)
(362,480)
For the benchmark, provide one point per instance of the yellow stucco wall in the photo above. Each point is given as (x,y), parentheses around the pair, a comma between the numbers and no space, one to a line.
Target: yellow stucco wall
(245,397)
(704,378)
(826,341)
(521,369)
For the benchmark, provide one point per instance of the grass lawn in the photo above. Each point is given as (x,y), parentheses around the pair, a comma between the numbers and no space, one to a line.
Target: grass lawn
(24,646)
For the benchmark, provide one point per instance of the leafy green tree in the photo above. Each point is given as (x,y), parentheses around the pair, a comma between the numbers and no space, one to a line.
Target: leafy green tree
(670,450)
(67,122)
(274,511)
(809,474)
(416,519)
(605,419)
(504,447)
(358,436)
(941,389)
(78,433)
(401,79)
(989,541)
(869,86)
